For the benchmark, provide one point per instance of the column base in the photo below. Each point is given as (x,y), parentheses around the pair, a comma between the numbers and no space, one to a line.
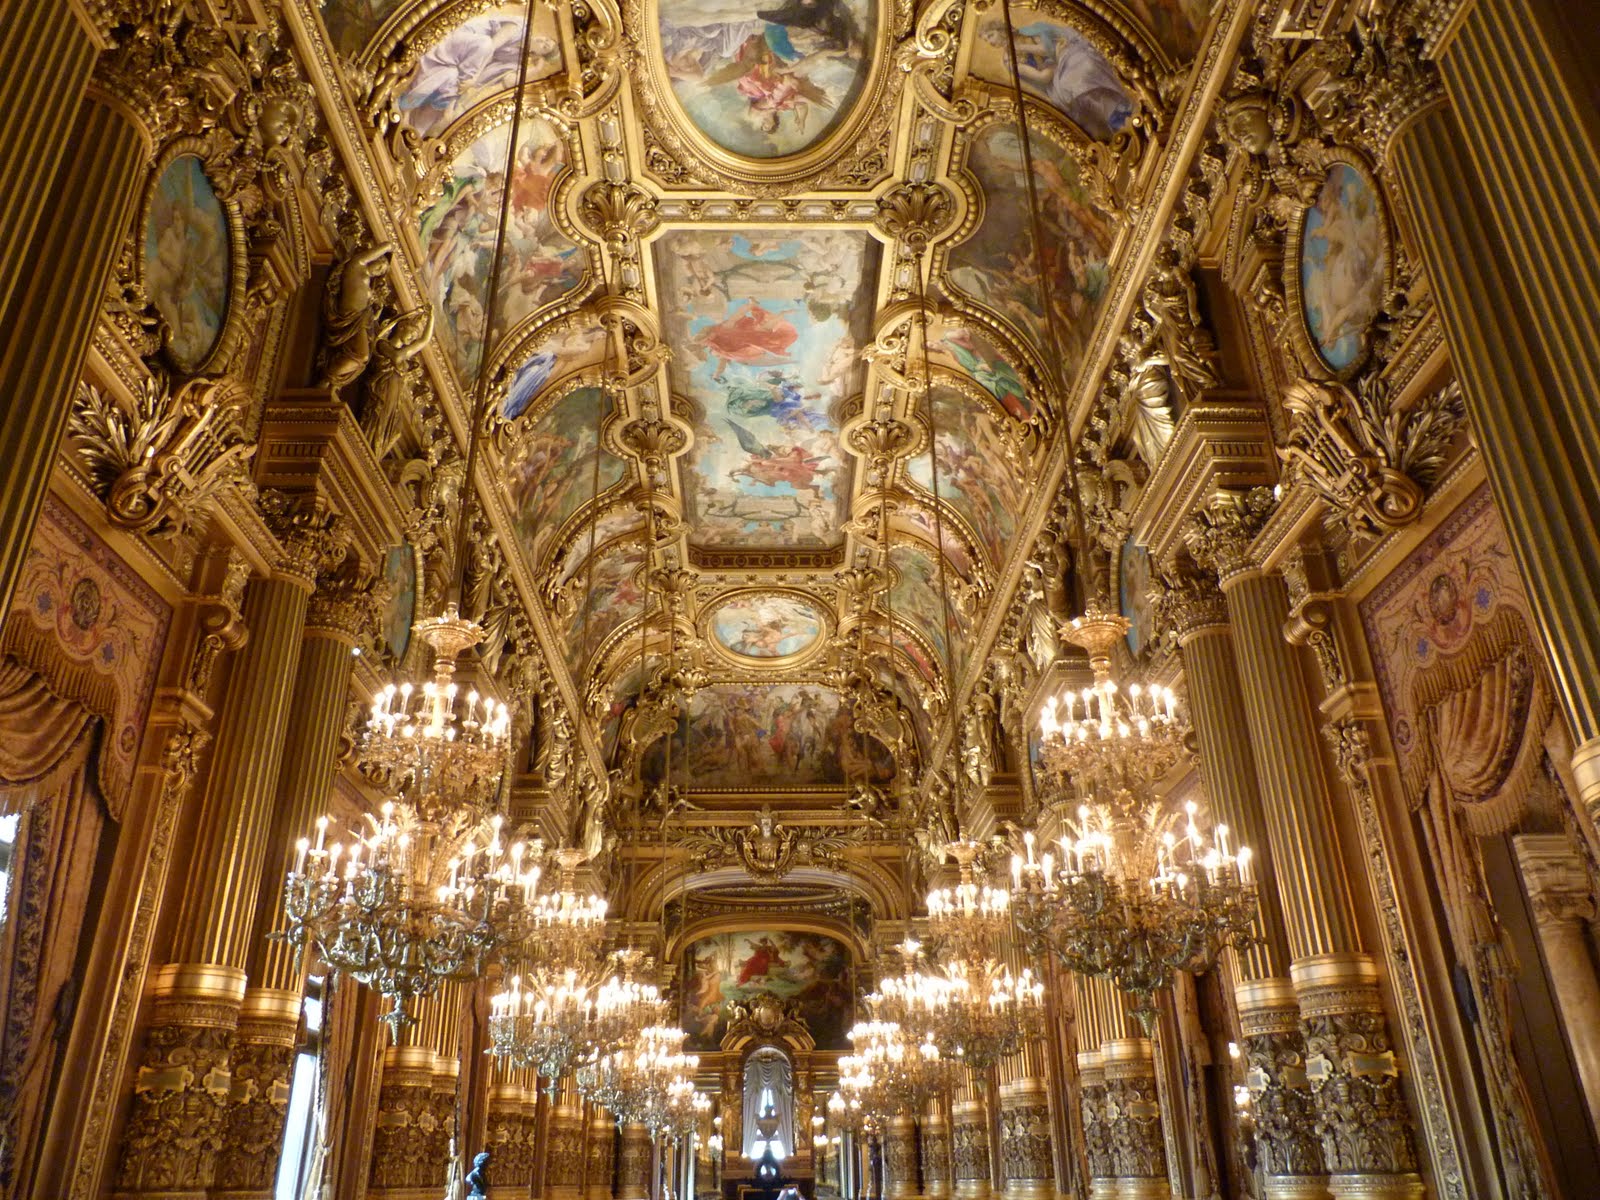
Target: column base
(1143,1189)
(175,1131)
(1586,778)
(1102,1189)
(1377,1187)
(263,1060)
(971,1189)
(1295,1187)
(1029,1189)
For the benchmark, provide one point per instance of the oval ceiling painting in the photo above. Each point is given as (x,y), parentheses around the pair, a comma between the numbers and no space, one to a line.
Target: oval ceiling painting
(1344,267)
(767,78)
(767,626)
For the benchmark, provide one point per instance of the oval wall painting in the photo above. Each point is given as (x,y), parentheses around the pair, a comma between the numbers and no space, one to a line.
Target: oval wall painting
(1344,266)
(399,610)
(188,259)
(767,78)
(767,626)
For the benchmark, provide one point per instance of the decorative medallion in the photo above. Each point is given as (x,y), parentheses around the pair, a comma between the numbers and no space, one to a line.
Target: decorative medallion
(1342,267)
(768,628)
(188,260)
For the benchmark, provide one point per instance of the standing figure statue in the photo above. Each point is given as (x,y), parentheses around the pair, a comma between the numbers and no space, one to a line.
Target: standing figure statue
(478,1177)
(351,306)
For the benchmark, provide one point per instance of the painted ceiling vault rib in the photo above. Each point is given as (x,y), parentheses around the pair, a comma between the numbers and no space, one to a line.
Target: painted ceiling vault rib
(759,146)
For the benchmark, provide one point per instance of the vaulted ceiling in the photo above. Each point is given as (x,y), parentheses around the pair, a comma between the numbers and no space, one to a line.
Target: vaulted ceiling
(731,230)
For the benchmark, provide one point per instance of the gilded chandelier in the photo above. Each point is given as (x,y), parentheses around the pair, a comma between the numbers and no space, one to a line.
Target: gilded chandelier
(649,1080)
(436,747)
(1138,891)
(409,902)
(891,1070)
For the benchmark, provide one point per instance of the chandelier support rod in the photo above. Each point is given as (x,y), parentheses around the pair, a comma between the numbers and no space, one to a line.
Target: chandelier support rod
(480,393)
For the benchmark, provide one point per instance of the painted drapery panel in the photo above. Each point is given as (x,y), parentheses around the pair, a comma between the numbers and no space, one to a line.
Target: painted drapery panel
(810,970)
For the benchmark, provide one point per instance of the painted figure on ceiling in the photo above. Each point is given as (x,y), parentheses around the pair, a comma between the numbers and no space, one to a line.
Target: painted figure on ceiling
(753,336)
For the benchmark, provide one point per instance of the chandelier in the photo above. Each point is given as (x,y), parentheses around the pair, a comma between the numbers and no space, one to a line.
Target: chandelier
(1139,891)
(1136,894)
(541,1023)
(432,744)
(546,1015)
(967,918)
(970,1006)
(409,902)
(625,1005)
(1104,736)
(892,1070)
(648,1081)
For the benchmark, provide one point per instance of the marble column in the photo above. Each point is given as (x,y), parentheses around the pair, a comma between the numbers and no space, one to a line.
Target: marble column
(1558,886)
(969,1142)
(1509,232)
(599,1156)
(1287,1150)
(263,1054)
(1133,1119)
(935,1153)
(1360,1114)
(900,1158)
(633,1175)
(56,289)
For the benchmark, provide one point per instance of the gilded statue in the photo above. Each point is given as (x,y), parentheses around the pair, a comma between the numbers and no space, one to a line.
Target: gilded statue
(395,377)
(351,306)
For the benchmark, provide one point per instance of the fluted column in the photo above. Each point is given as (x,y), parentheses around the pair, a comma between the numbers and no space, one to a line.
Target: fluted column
(263,1053)
(1360,1115)
(599,1156)
(56,289)
(900,1158)
(37,110)
(935,1153)
(565,1146)
(1557,882)
(1097,1002)
(1508,234)
(1288,1151)
(969,1142)
(1133,1119)
(215,922)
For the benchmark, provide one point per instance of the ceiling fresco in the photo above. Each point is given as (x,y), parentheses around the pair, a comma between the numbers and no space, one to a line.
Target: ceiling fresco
(724,218)
(767,81)
(765,331)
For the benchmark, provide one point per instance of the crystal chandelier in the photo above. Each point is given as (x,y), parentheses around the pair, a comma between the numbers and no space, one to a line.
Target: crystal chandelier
(435,746)
(409,901)
(967,918)
(559,932)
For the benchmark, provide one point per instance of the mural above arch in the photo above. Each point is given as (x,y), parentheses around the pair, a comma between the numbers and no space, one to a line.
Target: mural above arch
(994,265)
(759,735)
(1058,65)
(765,327)
(352,23)
(811,971)
(766,79)
(475,59)
(541,263)
(964,349)
(613,598)
(918,599)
